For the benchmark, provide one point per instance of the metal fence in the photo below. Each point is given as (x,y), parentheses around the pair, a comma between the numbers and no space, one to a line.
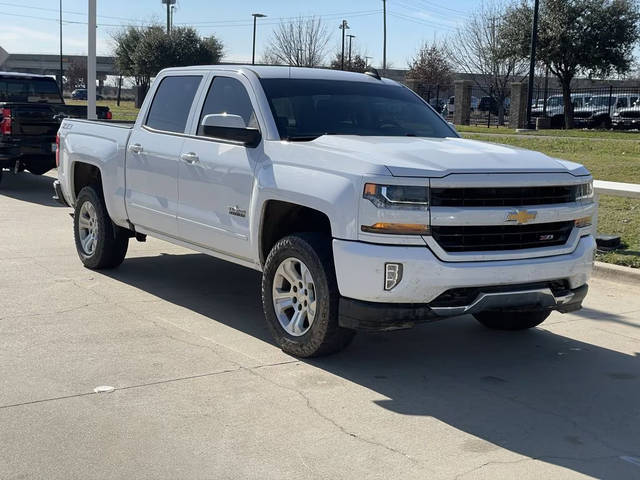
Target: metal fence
(603,107)
(600,107)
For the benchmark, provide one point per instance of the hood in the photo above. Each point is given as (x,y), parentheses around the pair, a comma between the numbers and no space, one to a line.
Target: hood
(438,157)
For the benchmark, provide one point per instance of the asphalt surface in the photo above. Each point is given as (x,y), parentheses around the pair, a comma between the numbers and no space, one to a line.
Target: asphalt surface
(202,392)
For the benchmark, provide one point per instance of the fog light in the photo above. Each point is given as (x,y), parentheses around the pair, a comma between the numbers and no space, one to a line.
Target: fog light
(392,275)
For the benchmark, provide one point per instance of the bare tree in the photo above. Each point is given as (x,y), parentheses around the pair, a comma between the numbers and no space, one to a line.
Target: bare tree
(301,43)
(76,73)
(480,48)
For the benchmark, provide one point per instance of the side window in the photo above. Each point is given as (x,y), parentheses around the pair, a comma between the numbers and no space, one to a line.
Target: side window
(171,104)
(622,102)
(228,95)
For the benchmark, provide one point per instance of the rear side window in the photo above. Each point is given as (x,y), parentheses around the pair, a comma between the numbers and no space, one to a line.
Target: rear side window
(171,104)
(228,95)
(29,90)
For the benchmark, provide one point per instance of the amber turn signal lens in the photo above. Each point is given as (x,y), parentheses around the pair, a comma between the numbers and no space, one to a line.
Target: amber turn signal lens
(370,188)
(397,228)
(583,222)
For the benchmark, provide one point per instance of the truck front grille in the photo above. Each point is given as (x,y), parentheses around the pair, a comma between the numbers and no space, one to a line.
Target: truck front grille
(501,237)
(504,197)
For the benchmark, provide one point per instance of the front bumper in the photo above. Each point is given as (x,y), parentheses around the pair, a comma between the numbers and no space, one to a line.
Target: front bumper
(369,316)
(360,275)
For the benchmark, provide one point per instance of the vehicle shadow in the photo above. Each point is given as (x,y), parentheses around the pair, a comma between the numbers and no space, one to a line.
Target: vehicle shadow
(535,393)
(29,188)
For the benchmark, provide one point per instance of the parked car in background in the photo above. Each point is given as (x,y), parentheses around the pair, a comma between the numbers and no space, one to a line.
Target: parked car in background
(31,109)
(362,208)
(81,94)
(627,118)
(599,109)
(555,107)
(449,107)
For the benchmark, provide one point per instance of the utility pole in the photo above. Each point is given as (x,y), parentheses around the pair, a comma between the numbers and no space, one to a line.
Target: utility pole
(384,34)
(532,65)
(61,68)
(91,62)
(351,37)
(344,27)
(255,16)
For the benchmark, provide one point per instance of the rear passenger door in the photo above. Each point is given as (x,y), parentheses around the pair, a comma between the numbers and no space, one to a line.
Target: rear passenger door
(154,153)
(216,176)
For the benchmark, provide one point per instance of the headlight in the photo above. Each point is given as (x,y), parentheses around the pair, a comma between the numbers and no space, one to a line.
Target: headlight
(584,192)
(399,209)
(397,196)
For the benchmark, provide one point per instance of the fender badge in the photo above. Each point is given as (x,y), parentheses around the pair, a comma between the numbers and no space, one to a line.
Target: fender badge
(237,212)
(521,216)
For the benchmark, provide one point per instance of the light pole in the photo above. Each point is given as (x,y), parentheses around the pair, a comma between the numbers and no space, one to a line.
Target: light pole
(91,62)
(168,3)
(344,27)
(255,16)
(384,34)
(61,68)
(532,64)
(351,37)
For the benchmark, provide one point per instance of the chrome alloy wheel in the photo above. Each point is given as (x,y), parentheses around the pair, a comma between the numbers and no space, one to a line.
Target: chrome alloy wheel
(88,228)
(294,297)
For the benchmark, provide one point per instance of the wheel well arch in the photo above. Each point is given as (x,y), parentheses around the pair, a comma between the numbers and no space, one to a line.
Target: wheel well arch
(280,218)
(85,174)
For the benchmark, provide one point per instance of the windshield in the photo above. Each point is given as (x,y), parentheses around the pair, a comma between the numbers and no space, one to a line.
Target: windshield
(601,101)
(554,102)
(305,109)
(29,90)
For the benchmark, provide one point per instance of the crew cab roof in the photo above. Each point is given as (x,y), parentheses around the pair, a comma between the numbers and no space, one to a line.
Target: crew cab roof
(23,75)
(277,71)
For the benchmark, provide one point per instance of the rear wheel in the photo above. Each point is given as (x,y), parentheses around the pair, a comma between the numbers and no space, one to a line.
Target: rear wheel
(300,297)
(100,243)
(512,320)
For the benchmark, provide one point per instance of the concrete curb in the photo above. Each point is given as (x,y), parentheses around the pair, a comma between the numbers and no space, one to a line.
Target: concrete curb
(616,273)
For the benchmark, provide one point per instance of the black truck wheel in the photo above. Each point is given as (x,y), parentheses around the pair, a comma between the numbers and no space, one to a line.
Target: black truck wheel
(300,296)
(512,320)
(100,243)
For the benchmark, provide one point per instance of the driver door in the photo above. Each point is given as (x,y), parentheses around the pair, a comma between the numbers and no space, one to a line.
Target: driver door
(215,177)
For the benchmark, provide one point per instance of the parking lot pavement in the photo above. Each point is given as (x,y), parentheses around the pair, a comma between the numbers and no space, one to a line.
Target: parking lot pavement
(202,392)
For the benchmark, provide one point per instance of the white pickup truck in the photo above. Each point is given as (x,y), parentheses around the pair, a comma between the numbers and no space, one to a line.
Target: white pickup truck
(360,205)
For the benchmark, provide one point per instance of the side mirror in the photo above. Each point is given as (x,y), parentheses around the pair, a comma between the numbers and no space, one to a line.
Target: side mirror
(224,126)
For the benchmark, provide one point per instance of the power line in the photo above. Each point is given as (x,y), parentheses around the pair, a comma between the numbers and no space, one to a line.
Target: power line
(276,20)
(427,23)
(67,12)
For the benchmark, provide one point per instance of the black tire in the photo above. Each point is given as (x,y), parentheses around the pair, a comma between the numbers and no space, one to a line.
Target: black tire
(324,336)
(111,241)
(512,320)
(38,169)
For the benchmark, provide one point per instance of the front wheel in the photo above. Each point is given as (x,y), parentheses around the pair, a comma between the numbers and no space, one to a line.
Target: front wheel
(100,243)
(512,320)
(300,297)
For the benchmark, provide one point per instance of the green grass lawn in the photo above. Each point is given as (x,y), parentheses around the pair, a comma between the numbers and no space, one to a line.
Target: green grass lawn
(126,111)
(603,134)
(614,159)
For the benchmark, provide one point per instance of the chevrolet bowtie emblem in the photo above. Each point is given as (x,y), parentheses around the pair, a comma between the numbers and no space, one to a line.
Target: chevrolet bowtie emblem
(521,216)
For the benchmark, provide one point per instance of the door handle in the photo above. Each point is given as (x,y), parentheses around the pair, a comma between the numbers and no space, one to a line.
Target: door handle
(136,148)
(190,157)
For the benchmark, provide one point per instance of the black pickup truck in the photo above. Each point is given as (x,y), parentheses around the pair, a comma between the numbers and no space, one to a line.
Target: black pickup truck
(32,108)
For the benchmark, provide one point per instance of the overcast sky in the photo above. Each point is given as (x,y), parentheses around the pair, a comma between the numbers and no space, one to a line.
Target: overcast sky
(31,26)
